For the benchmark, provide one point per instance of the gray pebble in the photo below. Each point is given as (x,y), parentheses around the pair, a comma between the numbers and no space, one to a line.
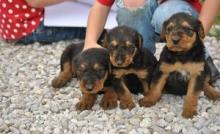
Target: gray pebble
(29,104)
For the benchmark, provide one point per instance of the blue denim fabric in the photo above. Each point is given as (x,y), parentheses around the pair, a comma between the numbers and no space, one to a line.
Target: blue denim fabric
(53,34)
(167,9)
(139,19)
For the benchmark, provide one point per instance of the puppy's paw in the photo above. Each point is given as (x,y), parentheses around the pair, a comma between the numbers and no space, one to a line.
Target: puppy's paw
(189,113)
(58,82)
(127,104)
(144,102)
(107,103)
(215,95)
(84,105)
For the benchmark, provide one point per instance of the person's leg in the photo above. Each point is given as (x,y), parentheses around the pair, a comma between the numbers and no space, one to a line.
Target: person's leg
(139,18)
(53,34)
(167,9)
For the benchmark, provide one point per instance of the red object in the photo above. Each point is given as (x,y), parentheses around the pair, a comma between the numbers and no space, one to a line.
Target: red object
(195,3)
(18,19)
(106,2)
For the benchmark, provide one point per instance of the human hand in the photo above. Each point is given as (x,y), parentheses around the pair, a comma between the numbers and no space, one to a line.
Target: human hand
(91,45)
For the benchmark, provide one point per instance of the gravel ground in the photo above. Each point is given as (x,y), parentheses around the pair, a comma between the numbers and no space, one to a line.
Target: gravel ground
(28,103)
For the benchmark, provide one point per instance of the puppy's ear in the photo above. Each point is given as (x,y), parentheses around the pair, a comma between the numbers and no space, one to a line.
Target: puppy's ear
(105,42)
(74,63)
(109,64)
(163,31)
(109,68)
(200,29)
(140,40)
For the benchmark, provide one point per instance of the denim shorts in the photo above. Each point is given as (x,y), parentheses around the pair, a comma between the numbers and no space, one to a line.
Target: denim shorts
(148,19)
(47,35)
(140,19)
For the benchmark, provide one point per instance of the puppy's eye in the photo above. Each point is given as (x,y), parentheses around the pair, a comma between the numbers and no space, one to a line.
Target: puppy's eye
(111,47)
(100,70)
(131,49)
(188,30)
(78,73)
(168,29)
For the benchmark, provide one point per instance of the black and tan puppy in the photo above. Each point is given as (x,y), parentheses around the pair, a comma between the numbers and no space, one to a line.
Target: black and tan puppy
(92,69)
(128,57)
(183,56)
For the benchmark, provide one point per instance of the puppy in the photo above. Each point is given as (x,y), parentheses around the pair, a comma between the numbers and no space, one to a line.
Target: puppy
(183,56)
(128,57)
(91,67)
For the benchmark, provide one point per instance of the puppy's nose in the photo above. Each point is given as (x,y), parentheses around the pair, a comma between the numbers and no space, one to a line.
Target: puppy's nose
(89,86)
(175,39)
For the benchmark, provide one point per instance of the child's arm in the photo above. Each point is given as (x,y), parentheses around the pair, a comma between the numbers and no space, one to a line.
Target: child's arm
(210,10)
(95,25)
(42,3)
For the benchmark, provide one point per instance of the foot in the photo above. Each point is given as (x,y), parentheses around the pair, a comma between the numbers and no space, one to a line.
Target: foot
(86,102)
(84,105)
(109,100)
(127,104)
(58,82)
(212,94)
(144,102)
(108,104)
(189,113)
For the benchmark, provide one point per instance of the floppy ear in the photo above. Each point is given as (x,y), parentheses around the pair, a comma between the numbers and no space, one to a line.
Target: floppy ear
(200,29)
(105,42)
(109,68)
(109,64)
(74,62)
(140,40)
(163,31)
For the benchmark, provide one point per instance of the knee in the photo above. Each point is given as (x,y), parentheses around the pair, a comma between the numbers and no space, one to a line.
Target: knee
(167,9)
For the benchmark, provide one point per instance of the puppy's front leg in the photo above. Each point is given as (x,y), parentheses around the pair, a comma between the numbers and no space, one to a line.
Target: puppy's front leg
(124,94)
(191,99)
(86,102)
(64,76)
(145,86)
(109,100)
(151,97)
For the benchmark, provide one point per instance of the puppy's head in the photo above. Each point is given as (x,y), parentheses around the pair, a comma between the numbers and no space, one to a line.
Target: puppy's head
(123,43)
(181,31)
(92,69)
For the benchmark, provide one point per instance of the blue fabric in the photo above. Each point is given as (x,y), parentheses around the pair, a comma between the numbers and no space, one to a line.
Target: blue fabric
(139,19)
(53,34)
